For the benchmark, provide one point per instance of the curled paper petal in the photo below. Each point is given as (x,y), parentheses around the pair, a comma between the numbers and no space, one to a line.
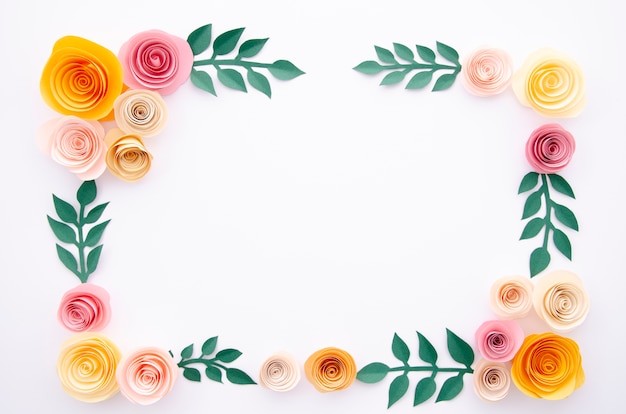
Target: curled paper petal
(279,373)
(127,157)
(548,366)
(511,297)
(147,375)
(551,83)
(86,367)
(140,112)
(498,341)
(156,60)
(487,71)
(85,308)
(550,148)
(492,380)
(560,299)
(81,78)
(330,369)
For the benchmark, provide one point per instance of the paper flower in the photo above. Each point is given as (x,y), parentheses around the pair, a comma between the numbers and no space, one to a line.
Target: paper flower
(140,112)
(81,78)
(146,375)
(551,83)
(330,369)
(548,366)
(511,297)
(85,308)
(487,71)
(498,341)
(492,380)
(75,143)
(127,157)
(279,373)
(86,367)
(560,299)
(156,60)
(550,148)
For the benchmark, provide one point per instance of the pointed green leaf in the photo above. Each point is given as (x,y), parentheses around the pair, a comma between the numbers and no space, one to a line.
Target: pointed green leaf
(532,228)
(404,52)
(459,350)
(95,213)
(284,70)
(539,260)
(237,376)
(424,390)
(227,355)
(65,210)
(208,347)
(369,67)
(450,388)
(426,53)
(62,231)
(444,82)
(202,80)
(385,55)
(532,204)
(259,82)
(565,216)
(226,42)
(94,235)
(192,374)
(68,260)
(397,389)
(529,182)
(448,53)
(187,352)
(560,185)
(86,192)
(400,349)
(562,243)
(251,48)
(200,39)
(232,79)
(427,351)
(93,258)
(420,80)
(393,77)
(372,373)
(213,373)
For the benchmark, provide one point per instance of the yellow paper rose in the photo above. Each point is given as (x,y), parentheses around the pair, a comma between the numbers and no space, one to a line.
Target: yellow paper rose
(330,369)
(548,366)
(86,367)
(127,158)
(81,78)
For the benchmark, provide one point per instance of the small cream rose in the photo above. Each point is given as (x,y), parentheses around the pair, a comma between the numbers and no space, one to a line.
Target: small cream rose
(279,373)
(560,299)
(140,112)
(492,380)
(127,157)
(511,297)
(487,71)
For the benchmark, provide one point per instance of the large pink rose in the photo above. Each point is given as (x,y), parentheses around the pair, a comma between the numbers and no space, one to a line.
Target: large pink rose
(85,308)
(498,341)
(156,60)
(550,148)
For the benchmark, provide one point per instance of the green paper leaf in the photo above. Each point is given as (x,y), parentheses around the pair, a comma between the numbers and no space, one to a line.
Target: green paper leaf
(65,210)
(372,373)
(529,182)
(259,82)
(424,390)
(385,55)
(565,216)
(94,235)
(237,376)
(459,350)
(404,52)
(400,349)
(95,213)
(427,352)
(426,53)
(539,260)
(397,389)
(560,185)
(62,231)
(251,48)
(369,67)
(187,352)
(226,42)
(532,228)
(208,347)
(444,82)
(562,243)
(68,260)
(448,53)
(532,204)
(200,39)
(420,80)
(93,258)
(192,374)
(214,374)
(450,388)
(284,70)
(86,192)
(202,80)
(394,77)
(227,355)
(232,79)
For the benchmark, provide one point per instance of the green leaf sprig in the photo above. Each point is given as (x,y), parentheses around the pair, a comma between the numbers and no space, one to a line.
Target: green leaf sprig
(459,350)
(213,366)
(425,70)
(72,229)
(224,44)
(540,257)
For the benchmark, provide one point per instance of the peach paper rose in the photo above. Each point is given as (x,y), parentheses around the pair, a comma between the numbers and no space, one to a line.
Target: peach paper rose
(75,143)
(498,341)
(146,375)
(550,148)
(560,299)
(156,60)
(551,83)
(86,367)
(492,380)
(140,112)
(85,308)
(81,78)
(279,373)
(511,297)
(127,157)
(548,366)
(330,369)
(487,71)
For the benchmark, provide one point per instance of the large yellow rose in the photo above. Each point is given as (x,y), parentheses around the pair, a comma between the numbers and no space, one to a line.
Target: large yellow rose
(330,369)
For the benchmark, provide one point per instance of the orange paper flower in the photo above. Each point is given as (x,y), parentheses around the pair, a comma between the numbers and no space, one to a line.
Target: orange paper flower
(330,369)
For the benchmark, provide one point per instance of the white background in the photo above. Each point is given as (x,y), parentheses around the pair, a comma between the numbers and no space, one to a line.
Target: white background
(334,214)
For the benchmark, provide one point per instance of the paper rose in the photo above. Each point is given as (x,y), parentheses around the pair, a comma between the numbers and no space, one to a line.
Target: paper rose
(548,366)
(75,143)
(81,78)
(146,375)
(492,380)
(511,297)
(551,83)
(127,157)
(487,71)
(330,369)
(560,299)
(498,341)
(85,308)
(279,373)
(156,60)
(86,367)
(550,148)
(140,112)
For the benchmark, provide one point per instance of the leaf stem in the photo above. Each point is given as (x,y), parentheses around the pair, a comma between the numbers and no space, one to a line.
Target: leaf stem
(546,194)
(411,66)
(81,245)
(434,369)
(231,62)
(206,362)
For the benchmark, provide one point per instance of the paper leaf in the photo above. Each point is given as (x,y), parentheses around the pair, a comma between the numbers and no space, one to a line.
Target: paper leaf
(400,349)
(213,373)
(420,80)
(426,53)
(259,82)
(65,210)
(237,376)
(385,55)
(192,374)
(284,70)
(372,373)
(450,388)
(565,216)
(227,355)
(444,82)
(424,389)
(529,182)
(202,80)
(369,67)
(539,260)
(187,352)
(562,243)
(404,52)
(232,79)
(86,193)
(251,48)
(93,258)
(532,228)
(459,350)
(397,389)
(448,53)
(68,260)
(208,347)
(532,204)
(94,235)
(95,213)
(62,231)
(560,185)
(200,39)
(393,77)
(427,352)
(226,42)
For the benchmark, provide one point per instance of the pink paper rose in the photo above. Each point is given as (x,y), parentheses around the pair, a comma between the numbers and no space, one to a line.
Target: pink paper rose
(498,341)
(156,60)
(85,308)
(550,148)
(487,71)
